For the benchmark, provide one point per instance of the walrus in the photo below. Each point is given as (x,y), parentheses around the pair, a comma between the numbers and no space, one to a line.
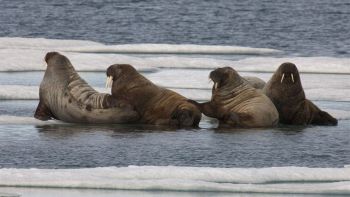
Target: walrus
(156,105)
(65,96)
(286,92)
(255,82)
(235,103)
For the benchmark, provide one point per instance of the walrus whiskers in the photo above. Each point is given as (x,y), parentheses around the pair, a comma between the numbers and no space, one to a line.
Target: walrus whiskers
(282,78)
(292,77)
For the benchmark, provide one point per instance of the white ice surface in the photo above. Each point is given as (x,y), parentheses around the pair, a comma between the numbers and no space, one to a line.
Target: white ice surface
(33,60)
(174,49)
(14,59)
(24,120)
(95,47)
(27,54)
(196,85)
(170,178)
(42,43)
(304,64)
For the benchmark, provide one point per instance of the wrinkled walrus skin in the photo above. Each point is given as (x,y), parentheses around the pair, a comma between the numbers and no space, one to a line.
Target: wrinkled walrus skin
(286,92)
(156,105)
(236,103)
(65,96)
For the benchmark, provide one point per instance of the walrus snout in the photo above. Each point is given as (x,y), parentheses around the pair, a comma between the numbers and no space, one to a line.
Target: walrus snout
(289,76)
(112,72)
(49,55)
(289,72)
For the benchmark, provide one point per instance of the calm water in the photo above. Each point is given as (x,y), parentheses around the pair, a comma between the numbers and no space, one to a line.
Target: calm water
(74,146)
(306,28)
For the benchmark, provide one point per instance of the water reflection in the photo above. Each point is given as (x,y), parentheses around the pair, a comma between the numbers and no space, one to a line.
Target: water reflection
(68,130)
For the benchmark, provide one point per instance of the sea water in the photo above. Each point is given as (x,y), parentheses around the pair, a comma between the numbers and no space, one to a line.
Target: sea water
(175,45)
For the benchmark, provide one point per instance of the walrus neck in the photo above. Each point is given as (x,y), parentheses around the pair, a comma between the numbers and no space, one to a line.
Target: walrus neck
(132,88)
(127,85)
(62,73)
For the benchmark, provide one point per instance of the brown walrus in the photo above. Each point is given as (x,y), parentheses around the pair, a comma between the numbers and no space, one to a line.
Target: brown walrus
(156,105)
(286,92)
(236,103)
(256,82)
(67,97)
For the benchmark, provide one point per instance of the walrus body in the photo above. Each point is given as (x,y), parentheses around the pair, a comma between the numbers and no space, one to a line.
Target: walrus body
(286,92)
(156,105)
(256,82)
(235,103)
(67,97)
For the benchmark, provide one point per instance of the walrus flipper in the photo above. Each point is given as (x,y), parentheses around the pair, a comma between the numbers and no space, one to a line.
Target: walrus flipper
(206,108)
(231,119)
(318,117)
(323,118)
(42,112)
(184,118)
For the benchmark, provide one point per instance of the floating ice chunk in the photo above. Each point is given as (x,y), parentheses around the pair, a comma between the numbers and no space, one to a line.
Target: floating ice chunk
(170,178)
(173,49)
(33,60)
(304,64)
(22,120)
(42,43)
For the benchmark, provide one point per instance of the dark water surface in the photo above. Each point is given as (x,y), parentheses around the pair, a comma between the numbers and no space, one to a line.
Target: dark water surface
(306,28)
(77,146)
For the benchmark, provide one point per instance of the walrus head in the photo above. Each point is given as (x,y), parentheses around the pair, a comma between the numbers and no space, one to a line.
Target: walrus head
(55,60)
(223,77)
(288,73)
(116,71)
(287,80)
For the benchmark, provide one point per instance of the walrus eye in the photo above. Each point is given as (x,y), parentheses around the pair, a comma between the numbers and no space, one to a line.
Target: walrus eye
(292,77)
(282,78)
(109,82)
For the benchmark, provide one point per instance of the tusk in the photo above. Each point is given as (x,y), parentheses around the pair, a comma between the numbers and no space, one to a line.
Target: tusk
(109,82)
(282,78)
(215,85)
(292,77)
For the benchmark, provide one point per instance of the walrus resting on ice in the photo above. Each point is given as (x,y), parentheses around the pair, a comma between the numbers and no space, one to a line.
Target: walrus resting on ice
(65,96)
(156,105)
(236,103)
(286,92)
